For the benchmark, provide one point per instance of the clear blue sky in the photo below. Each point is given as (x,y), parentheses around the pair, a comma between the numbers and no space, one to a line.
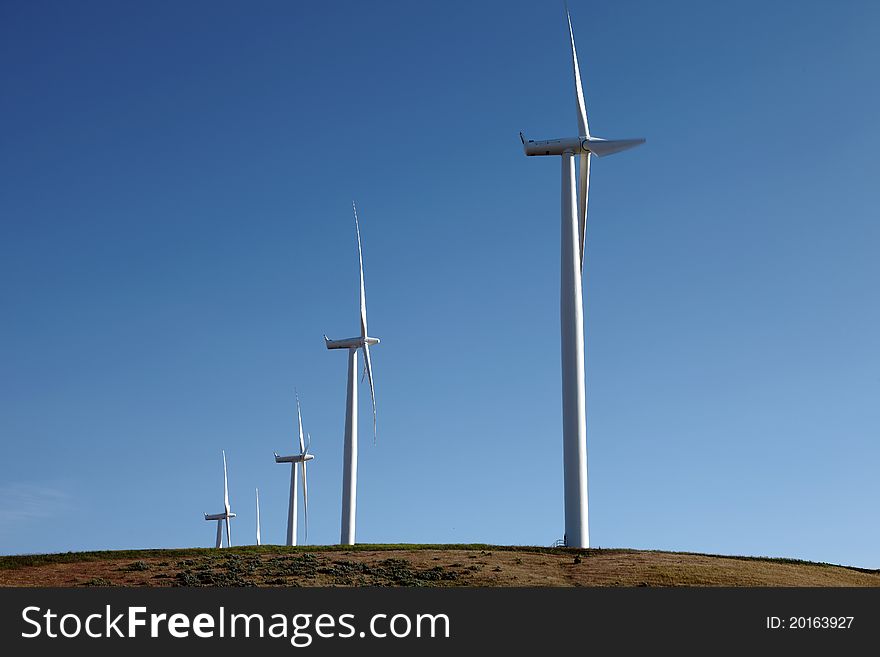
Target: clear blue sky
(176,234)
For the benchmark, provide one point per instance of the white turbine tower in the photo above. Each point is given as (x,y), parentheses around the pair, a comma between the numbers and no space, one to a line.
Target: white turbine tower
(226,515)
(350,447)
(574,228)
(302,458)
(258,515)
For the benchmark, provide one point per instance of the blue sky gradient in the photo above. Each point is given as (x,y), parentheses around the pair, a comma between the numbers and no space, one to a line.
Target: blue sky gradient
(176,234)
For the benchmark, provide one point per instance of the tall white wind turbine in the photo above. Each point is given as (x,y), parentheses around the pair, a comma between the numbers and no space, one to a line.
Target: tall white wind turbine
(226,515)
(574,229)
(302,458)
(350,446)
(258,515)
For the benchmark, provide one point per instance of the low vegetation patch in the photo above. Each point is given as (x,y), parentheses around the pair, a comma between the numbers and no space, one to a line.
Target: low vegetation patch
(136,566)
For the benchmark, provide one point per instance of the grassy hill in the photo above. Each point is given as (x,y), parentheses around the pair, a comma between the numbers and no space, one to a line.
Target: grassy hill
(418,565)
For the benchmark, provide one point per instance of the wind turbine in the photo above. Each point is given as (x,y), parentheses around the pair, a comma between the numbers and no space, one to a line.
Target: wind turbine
(574,229)
(302,458)
(258,515)
(226,515)
(350,446)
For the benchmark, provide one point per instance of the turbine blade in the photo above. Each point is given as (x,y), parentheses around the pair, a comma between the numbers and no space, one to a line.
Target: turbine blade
(225,485)
(583,191)
(361,267)
(309,444)
(603,147)
(300,424)
(583,126)
(228,534)
(305,500)
(369,367)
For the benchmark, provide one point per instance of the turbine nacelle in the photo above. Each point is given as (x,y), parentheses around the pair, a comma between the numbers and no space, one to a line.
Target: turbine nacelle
(578,145)
(350,343)
(296,458)
(219,516)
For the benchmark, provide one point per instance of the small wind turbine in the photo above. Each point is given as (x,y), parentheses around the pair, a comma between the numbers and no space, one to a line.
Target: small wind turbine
(574,229)
(302,458)
(226,515)
(350,446)
(258,515)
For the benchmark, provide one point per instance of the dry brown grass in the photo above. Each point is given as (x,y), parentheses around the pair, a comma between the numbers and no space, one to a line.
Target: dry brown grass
(419,566)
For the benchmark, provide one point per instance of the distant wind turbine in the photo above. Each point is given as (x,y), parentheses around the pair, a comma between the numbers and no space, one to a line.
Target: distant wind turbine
(350,447)
(574,229)
(258,515)
(226,515)
(302,458)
